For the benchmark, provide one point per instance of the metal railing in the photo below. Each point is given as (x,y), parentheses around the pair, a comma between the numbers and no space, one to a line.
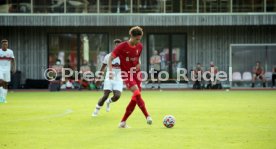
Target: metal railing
(138,6)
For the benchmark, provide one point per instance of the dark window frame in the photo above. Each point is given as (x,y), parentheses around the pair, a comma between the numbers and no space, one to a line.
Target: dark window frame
(170,49)
(78,34)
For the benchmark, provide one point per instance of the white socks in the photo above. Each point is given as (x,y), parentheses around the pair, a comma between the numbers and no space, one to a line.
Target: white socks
(109,101)
(3,94)
(96,111)
(98,108)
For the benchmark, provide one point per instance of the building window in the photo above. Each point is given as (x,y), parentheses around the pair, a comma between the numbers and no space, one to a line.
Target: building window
(63,47)
(248,6)
(77,50)
(15,6)
(214,5)
(93,48)
(188,5)
(271,5)
(172,51)
(114,6)
(148,6)
(244,57)
(43,6)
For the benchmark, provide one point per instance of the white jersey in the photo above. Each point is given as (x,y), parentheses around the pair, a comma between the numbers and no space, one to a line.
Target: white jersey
(5,60)
(115,68)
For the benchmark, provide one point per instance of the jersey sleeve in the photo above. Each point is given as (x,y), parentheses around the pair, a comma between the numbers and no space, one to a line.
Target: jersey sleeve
(105,61)
(116,51)
(12,55)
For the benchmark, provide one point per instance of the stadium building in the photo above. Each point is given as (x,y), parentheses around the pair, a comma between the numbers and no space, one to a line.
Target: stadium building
(233,33)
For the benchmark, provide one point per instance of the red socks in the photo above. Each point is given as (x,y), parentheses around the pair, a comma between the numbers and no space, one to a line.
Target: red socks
(130,108)
(140,102)
(136,99)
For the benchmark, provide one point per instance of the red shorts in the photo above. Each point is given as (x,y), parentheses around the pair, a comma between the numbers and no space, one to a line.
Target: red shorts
(129,82)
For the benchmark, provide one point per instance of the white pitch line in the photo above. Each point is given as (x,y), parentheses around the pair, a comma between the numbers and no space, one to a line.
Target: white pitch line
(66,112)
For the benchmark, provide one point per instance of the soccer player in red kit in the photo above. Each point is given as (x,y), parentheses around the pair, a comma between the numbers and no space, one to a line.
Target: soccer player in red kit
(258,73)
(129,53)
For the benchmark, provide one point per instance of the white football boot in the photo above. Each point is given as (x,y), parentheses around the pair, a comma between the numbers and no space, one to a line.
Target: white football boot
(123,125)
(149,120)
(107,105)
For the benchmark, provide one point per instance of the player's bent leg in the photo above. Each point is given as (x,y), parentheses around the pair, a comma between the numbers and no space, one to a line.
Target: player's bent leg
(1,95)
(2,99)
(263,80)
(100,103)
(131,106)
(253,81)
(114,98)
(141,104)
(104,97)
(129,109)
(136,99)
(3,91)
(273,80)
(96,111)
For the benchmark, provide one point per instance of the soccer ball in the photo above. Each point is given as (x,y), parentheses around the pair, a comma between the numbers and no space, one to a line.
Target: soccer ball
(169,121)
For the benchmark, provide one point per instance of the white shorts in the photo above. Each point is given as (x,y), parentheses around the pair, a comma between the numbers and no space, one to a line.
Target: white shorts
(113,85)
(5,75)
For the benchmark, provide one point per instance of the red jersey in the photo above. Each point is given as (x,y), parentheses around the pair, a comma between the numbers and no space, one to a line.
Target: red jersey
(258,71)
(197,71)
(129,55)
(215,69)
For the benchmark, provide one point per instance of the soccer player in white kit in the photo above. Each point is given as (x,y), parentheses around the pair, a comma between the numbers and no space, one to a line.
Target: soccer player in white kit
(6,61)
(115,85)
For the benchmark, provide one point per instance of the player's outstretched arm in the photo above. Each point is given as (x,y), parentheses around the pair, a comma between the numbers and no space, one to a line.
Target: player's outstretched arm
(103,68)
(100,77)
(110,67)
(138,66)
(13,65)
(263,71)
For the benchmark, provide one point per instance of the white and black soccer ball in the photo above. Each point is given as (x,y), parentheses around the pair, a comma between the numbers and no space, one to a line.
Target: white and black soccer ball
(169,121)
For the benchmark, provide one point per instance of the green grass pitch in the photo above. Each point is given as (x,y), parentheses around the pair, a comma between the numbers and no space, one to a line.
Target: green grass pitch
(204,119)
